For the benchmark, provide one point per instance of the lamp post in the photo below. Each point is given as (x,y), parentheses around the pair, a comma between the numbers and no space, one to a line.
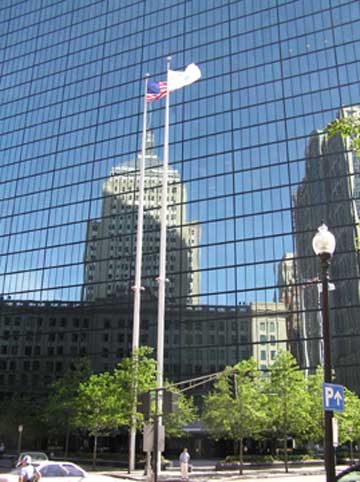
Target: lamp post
(20,430)
(323,244)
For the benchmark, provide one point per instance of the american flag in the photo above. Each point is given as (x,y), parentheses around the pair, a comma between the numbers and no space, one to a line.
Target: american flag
(156,90)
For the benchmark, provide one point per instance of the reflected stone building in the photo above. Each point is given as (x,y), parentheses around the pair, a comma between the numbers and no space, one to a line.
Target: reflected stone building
(330,193)
(111,241)
(268,332)
(39,341)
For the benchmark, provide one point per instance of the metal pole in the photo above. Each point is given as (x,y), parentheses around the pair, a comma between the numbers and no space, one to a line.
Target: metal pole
(137,287)
(162,255)
(156,437)
(20,430)
(329,448)
(305,336)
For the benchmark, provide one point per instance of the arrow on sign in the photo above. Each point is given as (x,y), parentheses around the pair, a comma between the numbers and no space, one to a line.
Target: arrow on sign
(338,398)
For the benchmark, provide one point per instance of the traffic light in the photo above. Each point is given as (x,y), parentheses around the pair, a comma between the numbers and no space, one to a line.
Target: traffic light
(170,402)
(144,404)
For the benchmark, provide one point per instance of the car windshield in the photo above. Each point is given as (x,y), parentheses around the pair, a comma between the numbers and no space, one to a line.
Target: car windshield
(73,471)
(38,456)
(34,456)
(61,470)
(54,470)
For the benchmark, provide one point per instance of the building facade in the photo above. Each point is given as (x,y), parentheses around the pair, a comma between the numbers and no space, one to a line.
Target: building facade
(246,184)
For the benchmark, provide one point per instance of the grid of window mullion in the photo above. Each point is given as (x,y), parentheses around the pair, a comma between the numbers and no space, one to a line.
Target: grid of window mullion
(246,50)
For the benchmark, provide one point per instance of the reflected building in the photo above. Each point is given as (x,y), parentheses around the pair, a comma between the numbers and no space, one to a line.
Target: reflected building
(111,240)
(290,293)
(40,340)
(268,332)
(330,192)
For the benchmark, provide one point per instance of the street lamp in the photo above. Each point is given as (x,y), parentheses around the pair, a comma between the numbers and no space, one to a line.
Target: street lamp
(323,244)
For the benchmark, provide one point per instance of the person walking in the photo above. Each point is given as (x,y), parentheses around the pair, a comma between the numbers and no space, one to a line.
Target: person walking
(27,473)
(184,464)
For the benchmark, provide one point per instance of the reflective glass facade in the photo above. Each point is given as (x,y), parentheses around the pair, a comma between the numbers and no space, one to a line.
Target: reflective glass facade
(252,177)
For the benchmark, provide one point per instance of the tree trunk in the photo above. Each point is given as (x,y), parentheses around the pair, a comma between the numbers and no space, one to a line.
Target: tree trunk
(94,451)
(67,440)
(286,454)
(286,437)
(241,455)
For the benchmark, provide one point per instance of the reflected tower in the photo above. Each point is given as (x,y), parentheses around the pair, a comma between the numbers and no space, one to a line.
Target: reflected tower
(111,240)
(330,192)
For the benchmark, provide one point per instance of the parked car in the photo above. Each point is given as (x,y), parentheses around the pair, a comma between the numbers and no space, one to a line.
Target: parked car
(351,474)
(36,458)
(63,471)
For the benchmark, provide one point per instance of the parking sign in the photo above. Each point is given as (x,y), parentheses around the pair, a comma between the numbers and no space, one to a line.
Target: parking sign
(333,397)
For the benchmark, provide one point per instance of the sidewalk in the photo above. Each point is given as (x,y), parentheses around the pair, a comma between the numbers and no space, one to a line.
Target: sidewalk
(204,474)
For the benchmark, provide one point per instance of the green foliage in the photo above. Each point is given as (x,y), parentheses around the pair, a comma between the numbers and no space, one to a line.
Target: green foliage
(347,127)
(105,400)
(289,401)
(23,411)
(186,414)
(98,408)
(243,404)
(137,371)
(348,420)
(235,409)
(60,409)
(253,458)
(316,428)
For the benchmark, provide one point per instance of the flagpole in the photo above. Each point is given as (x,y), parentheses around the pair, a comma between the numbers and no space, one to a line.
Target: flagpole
(137,288)
(162,267)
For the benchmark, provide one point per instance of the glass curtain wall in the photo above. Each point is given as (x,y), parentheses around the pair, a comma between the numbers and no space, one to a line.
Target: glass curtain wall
(251,177)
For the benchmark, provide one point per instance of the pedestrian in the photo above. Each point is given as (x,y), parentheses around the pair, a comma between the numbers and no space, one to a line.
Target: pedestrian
(184,464)
(27,471)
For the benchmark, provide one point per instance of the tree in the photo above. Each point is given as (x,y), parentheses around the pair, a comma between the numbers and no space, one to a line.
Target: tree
(60,409)
(105,401)
(288,400)
(97,407)
(316,425)
(347,127)
(140,367)
(349,422)
(235,409)
(22,410)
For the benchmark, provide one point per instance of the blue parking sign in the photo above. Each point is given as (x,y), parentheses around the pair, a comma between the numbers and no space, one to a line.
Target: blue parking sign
(333,397)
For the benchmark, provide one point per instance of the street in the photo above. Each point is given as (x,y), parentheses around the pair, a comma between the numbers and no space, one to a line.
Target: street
(203,471)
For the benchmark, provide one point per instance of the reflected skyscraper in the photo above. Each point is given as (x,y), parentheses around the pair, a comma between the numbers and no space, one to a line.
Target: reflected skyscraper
(111,240)
(330,193)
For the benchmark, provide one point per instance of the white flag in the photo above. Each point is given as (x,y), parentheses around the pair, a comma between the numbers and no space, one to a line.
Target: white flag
(178,79)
